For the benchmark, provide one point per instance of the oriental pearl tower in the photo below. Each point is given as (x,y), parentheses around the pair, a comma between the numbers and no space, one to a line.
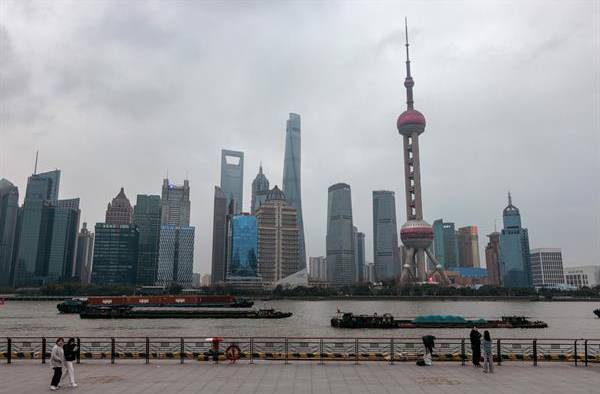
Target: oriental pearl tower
(416,234)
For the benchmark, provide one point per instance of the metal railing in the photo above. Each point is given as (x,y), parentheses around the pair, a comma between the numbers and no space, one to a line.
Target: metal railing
(317,349)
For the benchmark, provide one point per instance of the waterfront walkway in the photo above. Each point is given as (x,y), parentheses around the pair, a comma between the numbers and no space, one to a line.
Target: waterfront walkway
(304,378)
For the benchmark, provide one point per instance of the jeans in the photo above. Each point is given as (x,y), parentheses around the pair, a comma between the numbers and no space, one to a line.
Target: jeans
(56,376)
(488,362)
(70,372)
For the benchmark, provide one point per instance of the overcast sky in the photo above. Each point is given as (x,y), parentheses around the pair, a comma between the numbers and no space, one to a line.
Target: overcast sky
(115,94)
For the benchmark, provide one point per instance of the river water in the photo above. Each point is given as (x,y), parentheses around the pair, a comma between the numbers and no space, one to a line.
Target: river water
(310,319)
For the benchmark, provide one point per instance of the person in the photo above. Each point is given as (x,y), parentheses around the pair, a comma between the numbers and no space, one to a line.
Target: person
(476,346)
(429,344)
(488,358)
(70,350)
(57,358)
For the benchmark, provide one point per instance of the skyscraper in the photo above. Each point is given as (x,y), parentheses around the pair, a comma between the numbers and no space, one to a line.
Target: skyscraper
(468,246)
(341,267)
(492,259)
(242,251)
(318,268)
(85,252)
(9,211)
(277,238)
(64,226)
(292,179)
(175,203)
(176,256)
(260,189)
(515,258)
(547,267)
(445,244)
(219,265)
(416,234)
(232,177)
(119,211)
(43,186)
(385,236)
(359,254)
(115,254)
(147,218)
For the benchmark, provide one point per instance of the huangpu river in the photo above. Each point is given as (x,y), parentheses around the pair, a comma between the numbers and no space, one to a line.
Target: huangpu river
(310,319)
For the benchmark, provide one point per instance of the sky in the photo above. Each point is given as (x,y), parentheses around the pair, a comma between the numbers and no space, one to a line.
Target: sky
(120,94)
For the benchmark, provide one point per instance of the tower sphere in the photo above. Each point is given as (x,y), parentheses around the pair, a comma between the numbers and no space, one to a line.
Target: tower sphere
(411,121)
(417,234)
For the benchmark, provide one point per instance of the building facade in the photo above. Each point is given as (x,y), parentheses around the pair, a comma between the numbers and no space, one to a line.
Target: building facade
(385,236)
(175,203)
(359,254)
(292,180)
(583,276)
(341,266)
(9,213)
(64,225)
(119,211)
(547,267)
(147,216)
(369,272)
(242,252)
(232,177)
(492,259)
(318,268)
(278,239)
(85,253)
(445,244)
(515,258)
(115,254)
(219,264)
(260,189)
(468,246)
(175,256)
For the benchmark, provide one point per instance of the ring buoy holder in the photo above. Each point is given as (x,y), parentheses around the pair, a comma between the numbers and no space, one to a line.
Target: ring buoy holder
(233,353)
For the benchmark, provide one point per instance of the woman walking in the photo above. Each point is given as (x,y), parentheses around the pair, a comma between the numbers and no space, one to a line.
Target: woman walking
(70,350)
(57,358)
(488,357)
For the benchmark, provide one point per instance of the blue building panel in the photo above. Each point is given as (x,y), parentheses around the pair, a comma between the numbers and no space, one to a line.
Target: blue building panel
(244,247)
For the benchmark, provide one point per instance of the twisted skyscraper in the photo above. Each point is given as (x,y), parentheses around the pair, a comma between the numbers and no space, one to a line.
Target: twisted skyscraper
(291,178)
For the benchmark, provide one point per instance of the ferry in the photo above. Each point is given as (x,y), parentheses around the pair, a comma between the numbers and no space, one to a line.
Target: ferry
(129,312)
(386,321)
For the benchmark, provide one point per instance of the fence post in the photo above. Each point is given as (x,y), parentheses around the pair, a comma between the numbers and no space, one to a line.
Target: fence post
(463,354)
(356,351)
(576,356)
(112,350)
(586,352)
(392,351)
(78,350)
(147,350)
(9,350)
(321,351)
(286,350)
(252,350)
(499,351)
(43,350)
(181,349)
(535,352)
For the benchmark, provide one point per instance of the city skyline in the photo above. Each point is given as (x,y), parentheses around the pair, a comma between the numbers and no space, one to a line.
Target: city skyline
(504,130)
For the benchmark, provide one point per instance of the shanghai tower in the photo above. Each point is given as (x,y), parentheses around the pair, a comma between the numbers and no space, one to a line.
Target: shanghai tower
(291,179)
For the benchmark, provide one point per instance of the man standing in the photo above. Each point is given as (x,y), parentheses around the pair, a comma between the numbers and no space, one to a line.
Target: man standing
(57,359)
(476,346)
(70,350)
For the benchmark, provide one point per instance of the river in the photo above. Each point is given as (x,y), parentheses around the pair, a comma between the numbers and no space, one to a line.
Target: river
(310,319)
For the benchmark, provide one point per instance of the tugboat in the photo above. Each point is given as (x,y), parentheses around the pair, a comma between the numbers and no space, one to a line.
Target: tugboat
(71,306)
(129,312)
(597,312)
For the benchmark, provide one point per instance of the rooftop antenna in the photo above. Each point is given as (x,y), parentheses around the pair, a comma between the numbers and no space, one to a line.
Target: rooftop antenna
(495,228)
(36,161)
(186,174)
(408,81)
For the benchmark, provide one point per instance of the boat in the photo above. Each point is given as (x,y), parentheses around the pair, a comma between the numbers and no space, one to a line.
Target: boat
(129,312)
(597,312)
(207,301)
(385,321)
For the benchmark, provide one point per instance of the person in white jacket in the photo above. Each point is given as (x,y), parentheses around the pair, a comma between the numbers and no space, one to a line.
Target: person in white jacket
(57,359)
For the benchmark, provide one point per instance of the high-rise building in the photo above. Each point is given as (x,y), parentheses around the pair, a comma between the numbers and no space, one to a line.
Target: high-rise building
(385,236)
(43,186)
(369,272)
(341,266)
(515,258)
(115,254)
(119,211)
(445,245)
(468,246)
(85,252)
(147,218)
(583,276)
(260,189)
(232,177)
(62,241)
(492,259)
(291,178)
(176,256)
(219,263)
(359,254)
(277,238)
(547,267)
(9,212)
(416,234)
(242,251)
(318,268)
(175,203)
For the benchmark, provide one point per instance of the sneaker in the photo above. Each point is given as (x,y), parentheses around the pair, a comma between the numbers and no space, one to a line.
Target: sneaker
(53,388)
(73,384)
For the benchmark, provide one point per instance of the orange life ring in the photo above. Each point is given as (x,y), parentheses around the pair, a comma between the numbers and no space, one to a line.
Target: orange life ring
(233,353)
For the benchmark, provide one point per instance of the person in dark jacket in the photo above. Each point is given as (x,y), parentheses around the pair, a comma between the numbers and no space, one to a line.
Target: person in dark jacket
(70,350)
(476,346)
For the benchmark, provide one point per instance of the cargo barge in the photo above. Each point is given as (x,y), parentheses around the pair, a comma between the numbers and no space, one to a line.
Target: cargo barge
(128,312)
(387,321)
(206,301)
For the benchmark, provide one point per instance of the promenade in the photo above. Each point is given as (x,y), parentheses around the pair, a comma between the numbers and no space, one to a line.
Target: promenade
(165,377)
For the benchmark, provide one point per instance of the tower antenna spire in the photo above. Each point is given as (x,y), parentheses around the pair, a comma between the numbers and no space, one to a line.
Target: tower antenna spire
(408,81)
(36,162)
(509,199)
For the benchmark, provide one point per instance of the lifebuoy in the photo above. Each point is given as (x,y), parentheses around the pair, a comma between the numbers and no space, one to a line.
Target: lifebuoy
(233,353)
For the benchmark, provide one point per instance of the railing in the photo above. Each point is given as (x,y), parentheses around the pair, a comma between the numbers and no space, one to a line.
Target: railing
(317,349)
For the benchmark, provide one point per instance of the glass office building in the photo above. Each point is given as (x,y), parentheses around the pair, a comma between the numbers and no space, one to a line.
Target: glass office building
(115,254)
(445,243)
(147,218)
(243,250)
(515,258)
(385,236)
(341,263)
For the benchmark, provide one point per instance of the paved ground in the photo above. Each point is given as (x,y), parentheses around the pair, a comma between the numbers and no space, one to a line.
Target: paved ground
(167,377)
